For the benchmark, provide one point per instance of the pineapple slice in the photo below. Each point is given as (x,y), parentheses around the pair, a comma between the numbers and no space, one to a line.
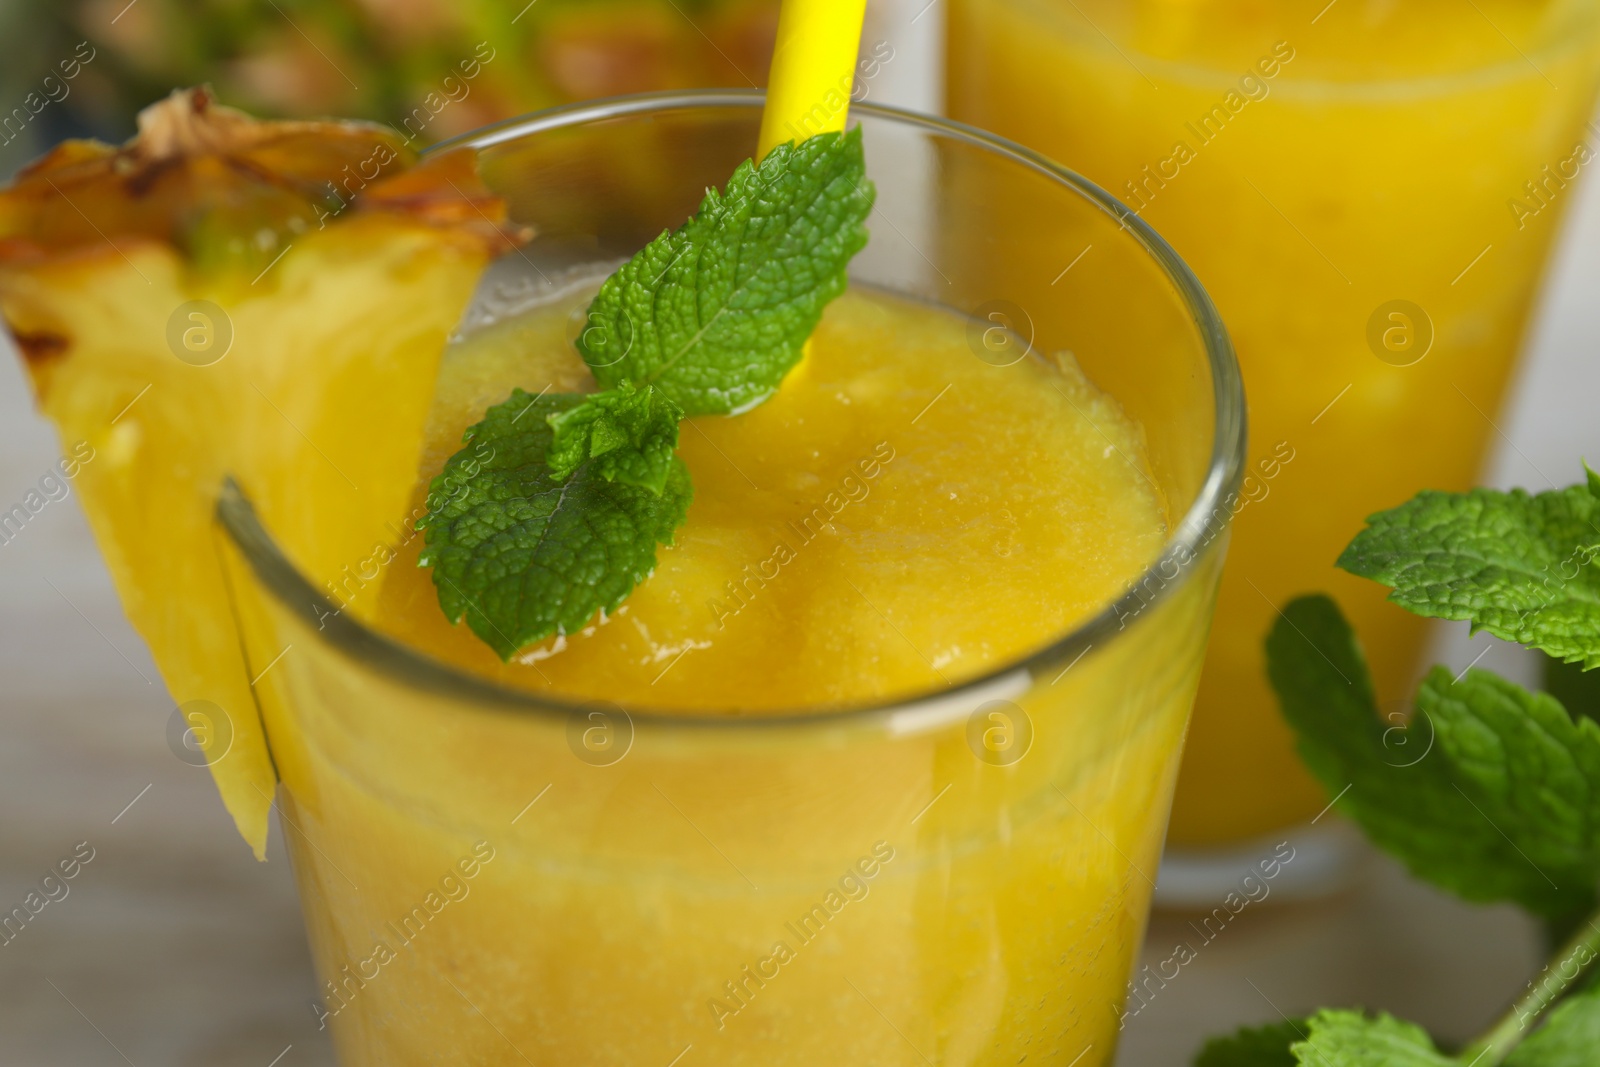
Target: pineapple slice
(225,297)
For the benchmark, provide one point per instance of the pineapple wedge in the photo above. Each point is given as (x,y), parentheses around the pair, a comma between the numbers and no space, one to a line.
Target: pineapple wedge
(225,297)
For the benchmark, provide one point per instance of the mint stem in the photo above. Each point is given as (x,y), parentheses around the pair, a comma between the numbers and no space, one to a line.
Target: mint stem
(1553,982)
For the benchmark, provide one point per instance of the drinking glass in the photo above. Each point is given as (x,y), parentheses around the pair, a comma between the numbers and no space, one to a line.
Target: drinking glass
(491,876)
(1370,191)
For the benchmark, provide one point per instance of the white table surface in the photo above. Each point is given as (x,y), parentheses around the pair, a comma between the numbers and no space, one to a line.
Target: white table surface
(175,947)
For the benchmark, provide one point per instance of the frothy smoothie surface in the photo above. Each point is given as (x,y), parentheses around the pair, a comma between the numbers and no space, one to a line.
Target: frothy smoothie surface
(900,515)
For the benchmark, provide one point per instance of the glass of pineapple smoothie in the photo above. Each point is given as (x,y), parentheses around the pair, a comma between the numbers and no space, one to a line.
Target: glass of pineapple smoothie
(877,764)
(1369,190)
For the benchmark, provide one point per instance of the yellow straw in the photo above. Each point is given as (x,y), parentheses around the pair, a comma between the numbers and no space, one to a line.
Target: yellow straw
(813,68)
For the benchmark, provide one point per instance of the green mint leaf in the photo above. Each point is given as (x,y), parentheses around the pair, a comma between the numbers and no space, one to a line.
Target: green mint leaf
(1568,1037)
(1490,792)
(520,556)
(714,314)
(1259,1046)
(554,510)
(1515,564)
(630,433)
(1351,1039)
(1532,773)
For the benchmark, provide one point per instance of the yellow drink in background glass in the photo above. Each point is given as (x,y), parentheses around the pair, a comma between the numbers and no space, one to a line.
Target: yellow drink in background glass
(898,795)
(1369,191)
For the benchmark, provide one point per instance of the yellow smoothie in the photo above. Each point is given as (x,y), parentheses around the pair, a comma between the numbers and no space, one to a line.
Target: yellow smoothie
(837,551)
(1369,192)
(899,518)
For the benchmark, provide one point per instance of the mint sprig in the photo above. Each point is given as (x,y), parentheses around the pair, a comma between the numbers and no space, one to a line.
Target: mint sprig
(1253,1046)
(521,556)
(1353,1039)
(1568,1037)
(631,434)
(1327,1039)
(1521,566)
(554,509)
(1488,790)
(716,313)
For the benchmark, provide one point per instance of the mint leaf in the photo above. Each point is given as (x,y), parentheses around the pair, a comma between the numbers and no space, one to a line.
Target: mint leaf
(1491,792)
(1517,565)
(1532,776)
(1351,1039)
(715,313)
(1260,1046)
(521,557)
(554,511)
(1569,1036)
(630,433)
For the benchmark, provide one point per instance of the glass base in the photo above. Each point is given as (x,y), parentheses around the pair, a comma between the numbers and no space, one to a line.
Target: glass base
(1305,862)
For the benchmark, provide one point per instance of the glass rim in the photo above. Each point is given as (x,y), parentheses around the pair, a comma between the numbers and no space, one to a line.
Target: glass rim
(1184,545)
(1488,71)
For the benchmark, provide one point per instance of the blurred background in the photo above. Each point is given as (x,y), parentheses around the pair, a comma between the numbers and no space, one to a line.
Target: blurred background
(446,67)
(174,946)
